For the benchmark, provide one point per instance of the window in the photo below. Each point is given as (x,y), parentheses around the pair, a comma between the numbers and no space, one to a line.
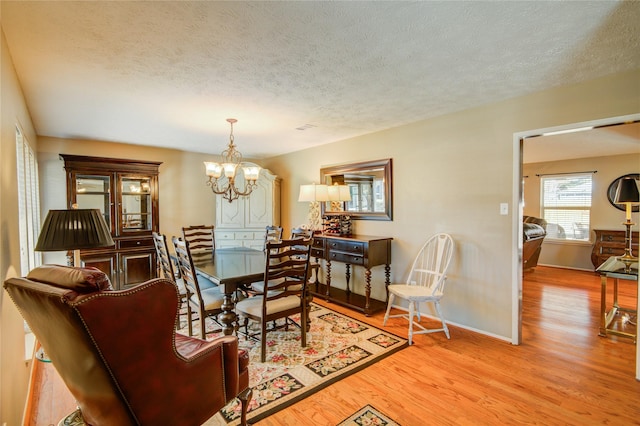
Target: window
(566,206)
(28,203)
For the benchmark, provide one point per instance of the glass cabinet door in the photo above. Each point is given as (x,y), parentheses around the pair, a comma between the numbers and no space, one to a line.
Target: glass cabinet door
(136,205)
(94,192)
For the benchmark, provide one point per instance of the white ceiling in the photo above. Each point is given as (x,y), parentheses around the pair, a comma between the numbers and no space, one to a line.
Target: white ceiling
(296,74)
(623,138)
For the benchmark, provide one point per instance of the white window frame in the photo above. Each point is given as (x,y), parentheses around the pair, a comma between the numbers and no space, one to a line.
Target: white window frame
(573,233)
(28,203)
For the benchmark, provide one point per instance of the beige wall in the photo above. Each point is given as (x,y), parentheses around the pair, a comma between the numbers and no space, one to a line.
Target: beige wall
(450,174)
(603,215)
(14,371)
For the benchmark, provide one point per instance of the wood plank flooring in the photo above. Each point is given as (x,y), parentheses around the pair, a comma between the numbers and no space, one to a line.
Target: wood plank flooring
(562,374)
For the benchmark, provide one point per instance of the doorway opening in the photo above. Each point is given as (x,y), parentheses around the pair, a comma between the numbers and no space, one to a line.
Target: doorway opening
(553,144)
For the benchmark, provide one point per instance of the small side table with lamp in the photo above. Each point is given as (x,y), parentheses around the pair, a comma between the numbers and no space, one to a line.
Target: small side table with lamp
(623,267)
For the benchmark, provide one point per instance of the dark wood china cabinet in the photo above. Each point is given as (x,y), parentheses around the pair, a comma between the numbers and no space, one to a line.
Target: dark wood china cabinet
(126,193)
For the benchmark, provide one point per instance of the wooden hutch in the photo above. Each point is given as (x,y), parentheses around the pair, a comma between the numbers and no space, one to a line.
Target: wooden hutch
(126,193)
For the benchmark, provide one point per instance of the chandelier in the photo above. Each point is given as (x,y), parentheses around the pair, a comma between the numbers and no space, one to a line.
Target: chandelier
(222,176)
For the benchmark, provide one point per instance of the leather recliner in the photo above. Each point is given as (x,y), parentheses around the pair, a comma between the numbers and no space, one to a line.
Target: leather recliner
(534,231)
(118,351)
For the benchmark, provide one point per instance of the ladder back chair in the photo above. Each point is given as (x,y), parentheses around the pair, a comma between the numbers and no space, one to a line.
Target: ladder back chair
(206,302)
(202,244)
(200,237)
(425,284)
(307,234)
(165,268)
(286,272)
(272,233)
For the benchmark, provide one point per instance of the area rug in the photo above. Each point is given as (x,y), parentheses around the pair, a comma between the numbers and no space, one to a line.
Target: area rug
(368,416)
(337,346)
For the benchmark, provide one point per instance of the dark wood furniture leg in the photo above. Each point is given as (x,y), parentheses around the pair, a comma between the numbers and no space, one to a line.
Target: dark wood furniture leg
(367,291)
(347,275)
(228,316)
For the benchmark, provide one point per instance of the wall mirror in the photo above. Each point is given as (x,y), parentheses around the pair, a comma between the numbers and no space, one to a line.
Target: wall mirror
(370,189)
(613,187)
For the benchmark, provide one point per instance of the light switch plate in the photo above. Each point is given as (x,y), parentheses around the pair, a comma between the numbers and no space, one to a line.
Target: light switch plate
(504,209)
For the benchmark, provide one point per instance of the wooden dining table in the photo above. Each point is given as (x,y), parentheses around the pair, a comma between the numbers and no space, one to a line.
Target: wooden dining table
(234,268)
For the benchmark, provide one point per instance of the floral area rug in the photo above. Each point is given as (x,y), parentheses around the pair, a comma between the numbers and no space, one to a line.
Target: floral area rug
(368,416)
(337,346)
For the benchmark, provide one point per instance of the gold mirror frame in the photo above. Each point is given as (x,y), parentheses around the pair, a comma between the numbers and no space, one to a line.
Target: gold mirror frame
(346,173)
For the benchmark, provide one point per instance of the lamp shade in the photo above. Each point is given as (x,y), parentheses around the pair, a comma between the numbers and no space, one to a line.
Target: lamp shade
(313,193)
(627,192)
(73,230)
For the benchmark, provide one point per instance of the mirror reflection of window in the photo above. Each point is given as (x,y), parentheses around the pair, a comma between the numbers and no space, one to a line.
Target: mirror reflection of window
(369,185)
(367,194)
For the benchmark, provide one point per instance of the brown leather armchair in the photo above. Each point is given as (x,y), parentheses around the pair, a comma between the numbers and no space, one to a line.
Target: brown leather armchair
(118,351)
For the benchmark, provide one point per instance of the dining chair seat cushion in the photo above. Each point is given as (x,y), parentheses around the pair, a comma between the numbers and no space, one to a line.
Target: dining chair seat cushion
(253,305)
(212,298)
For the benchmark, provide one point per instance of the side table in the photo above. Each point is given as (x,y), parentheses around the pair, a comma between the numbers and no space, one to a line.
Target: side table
(613,268)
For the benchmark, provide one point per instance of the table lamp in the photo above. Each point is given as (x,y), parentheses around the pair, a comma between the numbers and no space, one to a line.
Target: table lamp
(627,194)
(314,194)
(74,229)
(338,194)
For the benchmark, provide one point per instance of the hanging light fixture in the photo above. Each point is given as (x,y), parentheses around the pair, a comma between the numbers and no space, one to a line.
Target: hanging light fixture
(231,160)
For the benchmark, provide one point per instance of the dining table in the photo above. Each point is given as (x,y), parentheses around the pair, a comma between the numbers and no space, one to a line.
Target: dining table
(233,268)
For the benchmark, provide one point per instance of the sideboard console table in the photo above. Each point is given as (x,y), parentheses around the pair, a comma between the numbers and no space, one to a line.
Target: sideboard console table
(358,250)
(611,243)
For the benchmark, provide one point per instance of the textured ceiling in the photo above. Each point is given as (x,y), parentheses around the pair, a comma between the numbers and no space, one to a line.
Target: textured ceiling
(296,74)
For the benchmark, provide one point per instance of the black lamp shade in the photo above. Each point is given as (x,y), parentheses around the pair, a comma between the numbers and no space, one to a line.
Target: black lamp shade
(627,192)
(73,230)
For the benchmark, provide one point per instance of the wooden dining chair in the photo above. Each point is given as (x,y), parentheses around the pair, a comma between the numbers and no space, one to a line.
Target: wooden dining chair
(272,233)
(206,302)
(313,265)
(286,272)
(202,244)
(166,270)
(200,237)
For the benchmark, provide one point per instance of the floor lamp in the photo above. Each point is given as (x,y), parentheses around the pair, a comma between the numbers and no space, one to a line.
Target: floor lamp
(72,229)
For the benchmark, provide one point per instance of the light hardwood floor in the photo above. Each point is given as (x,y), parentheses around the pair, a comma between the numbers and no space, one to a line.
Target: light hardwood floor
(562,374)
